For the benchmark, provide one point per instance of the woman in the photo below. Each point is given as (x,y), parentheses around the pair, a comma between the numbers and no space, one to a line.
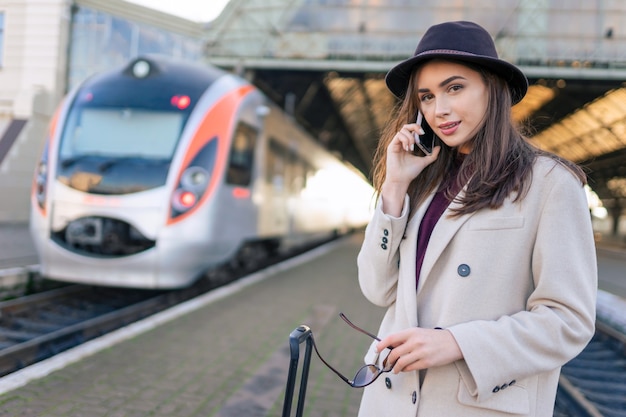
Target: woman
(482,252)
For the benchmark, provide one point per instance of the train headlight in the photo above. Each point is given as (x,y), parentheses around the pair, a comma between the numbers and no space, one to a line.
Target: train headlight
(141,69)
(184,200)
(42,169)
(192,184)
(40,183)
(194,181)
(195,178)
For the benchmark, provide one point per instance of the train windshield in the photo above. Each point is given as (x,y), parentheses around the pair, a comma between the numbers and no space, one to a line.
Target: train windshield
(121,133)
(118,150)
(123,127)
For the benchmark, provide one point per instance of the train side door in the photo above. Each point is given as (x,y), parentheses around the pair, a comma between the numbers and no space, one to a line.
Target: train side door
(239,177)
(274,219)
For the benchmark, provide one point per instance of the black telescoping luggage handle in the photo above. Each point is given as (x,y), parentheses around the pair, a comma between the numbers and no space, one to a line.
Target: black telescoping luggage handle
(301,334)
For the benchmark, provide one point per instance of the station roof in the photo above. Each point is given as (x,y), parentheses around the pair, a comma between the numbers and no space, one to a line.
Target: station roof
(325,62)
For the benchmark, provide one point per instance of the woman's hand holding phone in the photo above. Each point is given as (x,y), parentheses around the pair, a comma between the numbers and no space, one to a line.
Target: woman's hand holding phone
(403,166)
(423,141)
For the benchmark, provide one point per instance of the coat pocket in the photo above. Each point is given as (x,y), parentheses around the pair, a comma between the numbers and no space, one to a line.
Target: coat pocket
(497,223)
(513,400)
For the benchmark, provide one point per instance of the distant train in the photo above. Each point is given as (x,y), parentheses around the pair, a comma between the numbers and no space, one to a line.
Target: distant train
(155,172)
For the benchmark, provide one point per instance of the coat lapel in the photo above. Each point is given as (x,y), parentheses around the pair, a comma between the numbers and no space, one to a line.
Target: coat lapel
(444,231)
(406,287)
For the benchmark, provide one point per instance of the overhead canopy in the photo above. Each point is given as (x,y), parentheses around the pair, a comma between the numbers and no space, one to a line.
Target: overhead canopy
(326,62)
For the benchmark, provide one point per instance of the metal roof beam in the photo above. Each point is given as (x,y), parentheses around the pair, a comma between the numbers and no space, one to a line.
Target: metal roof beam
(532,72)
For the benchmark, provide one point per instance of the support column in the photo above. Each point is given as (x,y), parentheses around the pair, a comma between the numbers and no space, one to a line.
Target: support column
(616,212)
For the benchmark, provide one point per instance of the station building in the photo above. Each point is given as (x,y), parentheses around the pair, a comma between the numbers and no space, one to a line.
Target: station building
(47,47)
(325,62)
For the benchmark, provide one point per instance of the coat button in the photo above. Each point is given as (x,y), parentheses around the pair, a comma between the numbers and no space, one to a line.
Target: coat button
(414,397)
(504,386)
(388,383)
(382,245)
(463,270)
(496,389)
(386,232)
(385,240)
(512,382)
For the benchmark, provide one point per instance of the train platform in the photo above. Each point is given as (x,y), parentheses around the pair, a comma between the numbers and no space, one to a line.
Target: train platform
(222,354)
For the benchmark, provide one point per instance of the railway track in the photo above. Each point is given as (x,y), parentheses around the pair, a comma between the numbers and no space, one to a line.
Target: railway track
(39,326)
(36,327)
(594,383)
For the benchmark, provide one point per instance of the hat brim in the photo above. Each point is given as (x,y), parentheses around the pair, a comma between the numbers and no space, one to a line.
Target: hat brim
(397,78)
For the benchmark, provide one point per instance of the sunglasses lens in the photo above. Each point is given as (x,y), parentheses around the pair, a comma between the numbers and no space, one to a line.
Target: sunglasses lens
(366,375)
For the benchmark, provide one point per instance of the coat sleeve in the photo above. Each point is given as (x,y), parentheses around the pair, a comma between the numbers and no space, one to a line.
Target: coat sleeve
(378,260)
(559,318)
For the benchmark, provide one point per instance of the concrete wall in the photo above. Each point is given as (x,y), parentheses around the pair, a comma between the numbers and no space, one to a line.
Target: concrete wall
(31,83)
(33,80)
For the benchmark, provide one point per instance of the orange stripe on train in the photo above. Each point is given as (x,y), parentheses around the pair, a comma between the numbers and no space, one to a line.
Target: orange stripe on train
(217,124)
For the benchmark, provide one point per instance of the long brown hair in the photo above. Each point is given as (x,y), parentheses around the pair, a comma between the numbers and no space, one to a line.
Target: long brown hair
(500,162)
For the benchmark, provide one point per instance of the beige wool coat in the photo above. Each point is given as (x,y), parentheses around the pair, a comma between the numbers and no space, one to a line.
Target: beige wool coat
(516,287)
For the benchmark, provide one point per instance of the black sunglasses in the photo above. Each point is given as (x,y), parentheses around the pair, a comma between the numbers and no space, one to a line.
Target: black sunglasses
(367,373)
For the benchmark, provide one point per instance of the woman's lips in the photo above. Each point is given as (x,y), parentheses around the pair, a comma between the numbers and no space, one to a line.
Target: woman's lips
(449,128)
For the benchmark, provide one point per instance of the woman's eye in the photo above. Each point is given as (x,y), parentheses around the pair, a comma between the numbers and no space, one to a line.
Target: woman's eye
(426,97)
(456,87)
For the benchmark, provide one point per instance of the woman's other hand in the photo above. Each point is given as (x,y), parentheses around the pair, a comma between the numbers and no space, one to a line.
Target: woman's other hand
(417,348)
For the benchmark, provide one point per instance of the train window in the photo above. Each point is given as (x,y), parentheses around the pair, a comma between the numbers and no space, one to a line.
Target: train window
(121,133)
(242,156)
(276,165)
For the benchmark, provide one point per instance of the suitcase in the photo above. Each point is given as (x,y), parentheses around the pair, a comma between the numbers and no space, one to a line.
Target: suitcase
(301,334)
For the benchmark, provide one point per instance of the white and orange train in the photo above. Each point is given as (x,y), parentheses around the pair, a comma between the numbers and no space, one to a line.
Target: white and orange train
(155,172)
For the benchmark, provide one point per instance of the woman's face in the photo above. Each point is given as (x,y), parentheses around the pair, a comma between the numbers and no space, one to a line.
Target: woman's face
(453,99)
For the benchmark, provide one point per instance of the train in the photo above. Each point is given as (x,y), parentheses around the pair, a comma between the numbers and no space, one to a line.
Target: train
(157,171)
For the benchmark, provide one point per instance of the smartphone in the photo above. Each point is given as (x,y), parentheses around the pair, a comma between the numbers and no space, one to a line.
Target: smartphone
(424,142)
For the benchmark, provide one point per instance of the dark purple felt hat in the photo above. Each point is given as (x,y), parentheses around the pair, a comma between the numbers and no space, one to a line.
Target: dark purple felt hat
(461,41)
